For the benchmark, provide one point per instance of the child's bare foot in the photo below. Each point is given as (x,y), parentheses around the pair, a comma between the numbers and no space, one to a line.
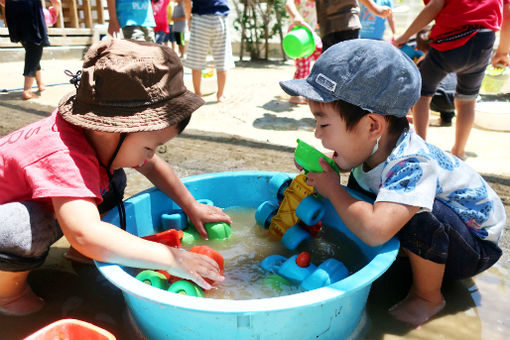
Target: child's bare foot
(27,94)
(222,99)
(23,304)
(41,87)
(415,310)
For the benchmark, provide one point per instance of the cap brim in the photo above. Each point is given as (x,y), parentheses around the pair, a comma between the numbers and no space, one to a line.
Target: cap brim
(129,119)
(301,87)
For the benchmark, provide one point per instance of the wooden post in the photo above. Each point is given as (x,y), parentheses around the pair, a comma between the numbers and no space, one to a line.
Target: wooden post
(87,13)
(100,12)
(73,13)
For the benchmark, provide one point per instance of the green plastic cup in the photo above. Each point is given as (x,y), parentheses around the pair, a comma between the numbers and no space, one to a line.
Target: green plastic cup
(299,42)
(308,157)
(494,79)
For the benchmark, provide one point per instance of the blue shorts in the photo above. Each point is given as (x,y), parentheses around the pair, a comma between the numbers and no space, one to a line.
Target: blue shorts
(161,37)
(442,237)
(28,229)
(170,35)
(468,61)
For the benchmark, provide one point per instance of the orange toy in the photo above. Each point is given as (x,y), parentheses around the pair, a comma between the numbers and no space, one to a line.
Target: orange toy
(171,237)
(71,329)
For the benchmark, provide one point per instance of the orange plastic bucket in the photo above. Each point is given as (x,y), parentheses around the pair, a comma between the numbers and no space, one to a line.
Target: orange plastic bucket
(71,329)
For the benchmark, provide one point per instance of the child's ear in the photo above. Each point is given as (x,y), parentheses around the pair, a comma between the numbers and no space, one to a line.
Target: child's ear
(376,124)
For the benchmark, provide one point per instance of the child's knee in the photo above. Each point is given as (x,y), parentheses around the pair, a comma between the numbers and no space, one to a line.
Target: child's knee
(27,230)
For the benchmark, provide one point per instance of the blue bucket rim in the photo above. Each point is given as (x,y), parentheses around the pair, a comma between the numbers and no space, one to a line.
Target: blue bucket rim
(364,277)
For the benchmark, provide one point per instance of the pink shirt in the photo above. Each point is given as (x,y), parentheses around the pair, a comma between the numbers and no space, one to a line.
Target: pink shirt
(160,15)
(49,158)
(458,21)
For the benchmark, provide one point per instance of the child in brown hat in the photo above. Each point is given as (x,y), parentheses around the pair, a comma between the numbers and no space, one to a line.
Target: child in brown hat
(68,167)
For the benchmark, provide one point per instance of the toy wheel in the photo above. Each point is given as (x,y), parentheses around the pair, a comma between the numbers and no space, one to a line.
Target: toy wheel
(275,282)
(186,288)
(218,230)
(310,210)
(278,184)
(153,278)
(294,236)
(265,212)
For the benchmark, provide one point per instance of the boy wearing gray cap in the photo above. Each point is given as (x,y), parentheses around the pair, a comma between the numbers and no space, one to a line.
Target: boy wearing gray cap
(130,99)
(447,218)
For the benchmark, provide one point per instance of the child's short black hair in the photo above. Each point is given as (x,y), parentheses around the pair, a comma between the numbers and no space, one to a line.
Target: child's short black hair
(352,114)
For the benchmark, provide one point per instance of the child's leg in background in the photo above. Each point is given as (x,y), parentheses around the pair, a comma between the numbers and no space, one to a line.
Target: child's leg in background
(446,247)
(181,43)
(33,55)
(464,124)
(421,115)
(432,74)
(27,230)
(302,71)
(302,67)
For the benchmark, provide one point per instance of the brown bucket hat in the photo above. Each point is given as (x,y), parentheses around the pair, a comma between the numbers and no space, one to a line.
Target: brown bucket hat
(129,86)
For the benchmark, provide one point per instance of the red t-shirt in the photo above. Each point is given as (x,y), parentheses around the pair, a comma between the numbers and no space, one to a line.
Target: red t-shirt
(459,20)
(49,158)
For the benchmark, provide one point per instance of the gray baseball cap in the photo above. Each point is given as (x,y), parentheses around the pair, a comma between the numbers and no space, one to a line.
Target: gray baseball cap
(371,74)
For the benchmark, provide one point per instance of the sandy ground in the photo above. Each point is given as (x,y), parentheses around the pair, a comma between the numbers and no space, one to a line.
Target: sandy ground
(255,130)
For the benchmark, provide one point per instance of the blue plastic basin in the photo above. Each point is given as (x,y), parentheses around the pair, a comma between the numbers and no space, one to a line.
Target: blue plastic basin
(331,312)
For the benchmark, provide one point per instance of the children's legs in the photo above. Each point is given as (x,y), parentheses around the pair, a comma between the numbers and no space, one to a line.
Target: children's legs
(222,80)
(16,296)
(465,119)
(27,87)
(421,116)
(197,79)
(424,299)
(302,71)
(182,49)
(38,79)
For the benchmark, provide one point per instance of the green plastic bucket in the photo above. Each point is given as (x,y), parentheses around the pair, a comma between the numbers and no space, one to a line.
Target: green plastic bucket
(308,157)
(299,42)
(494,79)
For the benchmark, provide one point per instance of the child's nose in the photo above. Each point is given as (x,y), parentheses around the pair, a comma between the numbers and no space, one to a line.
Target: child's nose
(317,133)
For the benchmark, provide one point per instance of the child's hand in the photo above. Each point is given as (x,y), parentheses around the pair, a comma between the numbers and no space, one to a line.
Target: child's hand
(382,11)
(299,167)
(499,59)
(195,267)
(324,182)
(203,213)
(399,41)
(299,21)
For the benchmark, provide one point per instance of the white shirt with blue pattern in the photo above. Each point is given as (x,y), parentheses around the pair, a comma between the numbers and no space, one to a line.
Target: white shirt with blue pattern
(416,173)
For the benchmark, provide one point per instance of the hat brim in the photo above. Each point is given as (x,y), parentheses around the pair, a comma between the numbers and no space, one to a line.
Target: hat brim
(301,87)
(112,118)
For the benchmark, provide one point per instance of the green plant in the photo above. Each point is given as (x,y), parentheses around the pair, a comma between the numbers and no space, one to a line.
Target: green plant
(258,21)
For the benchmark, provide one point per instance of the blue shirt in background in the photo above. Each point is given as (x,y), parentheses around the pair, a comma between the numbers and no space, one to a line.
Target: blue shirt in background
(135,13)
(372,26)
